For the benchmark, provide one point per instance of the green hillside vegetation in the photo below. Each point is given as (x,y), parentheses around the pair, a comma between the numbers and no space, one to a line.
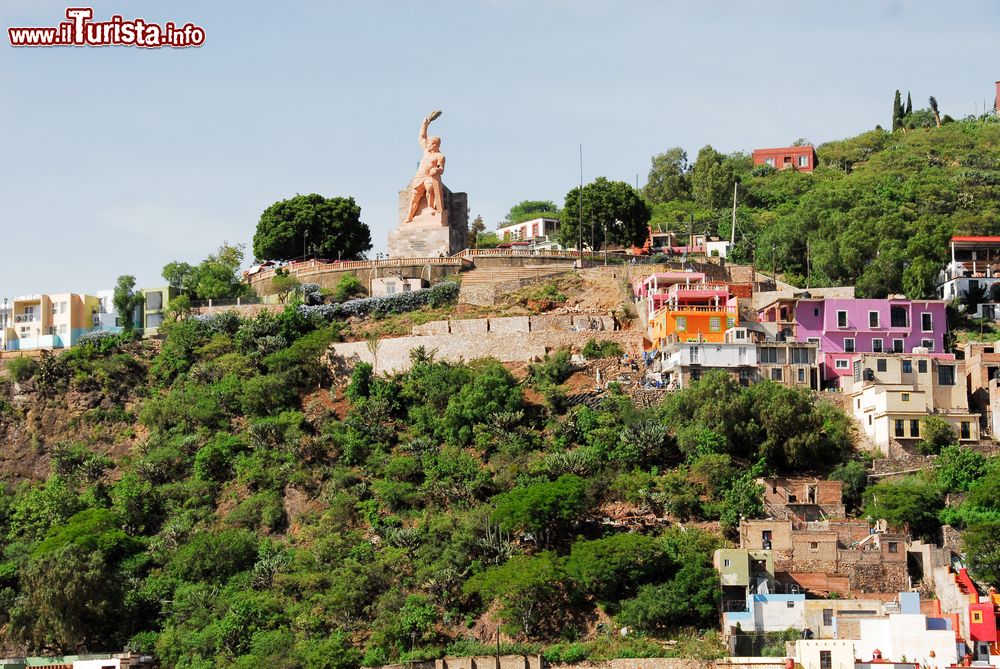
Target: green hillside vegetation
(877,212)
(264,516)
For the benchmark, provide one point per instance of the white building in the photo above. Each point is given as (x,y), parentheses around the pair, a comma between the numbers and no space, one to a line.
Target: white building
(927,642)
(541,232)
(391,285)
(683,362)
(974,266)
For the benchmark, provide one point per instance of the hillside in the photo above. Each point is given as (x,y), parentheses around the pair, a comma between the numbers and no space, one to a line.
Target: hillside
(877,212)
(215,499)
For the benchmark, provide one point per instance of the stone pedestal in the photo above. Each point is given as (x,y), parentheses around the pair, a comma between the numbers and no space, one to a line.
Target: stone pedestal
(430,234)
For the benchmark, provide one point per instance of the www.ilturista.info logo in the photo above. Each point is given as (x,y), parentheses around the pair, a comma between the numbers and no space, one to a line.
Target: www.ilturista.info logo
(80,30)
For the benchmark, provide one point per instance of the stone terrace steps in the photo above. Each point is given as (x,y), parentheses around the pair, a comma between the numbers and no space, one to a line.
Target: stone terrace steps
(485,276)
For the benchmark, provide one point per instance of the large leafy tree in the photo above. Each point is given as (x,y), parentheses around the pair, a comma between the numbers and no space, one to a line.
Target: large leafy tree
(329,227)
(668,177)
(215,277)
(125,299)
(613,213)
(712,179)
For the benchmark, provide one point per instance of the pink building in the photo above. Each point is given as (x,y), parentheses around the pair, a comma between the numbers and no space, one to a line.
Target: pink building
(842,327)
(655,288)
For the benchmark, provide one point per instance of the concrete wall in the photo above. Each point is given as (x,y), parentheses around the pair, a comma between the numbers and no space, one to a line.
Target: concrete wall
(471,343)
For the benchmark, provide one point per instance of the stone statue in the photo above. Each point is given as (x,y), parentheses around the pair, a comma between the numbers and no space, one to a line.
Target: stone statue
(426,185)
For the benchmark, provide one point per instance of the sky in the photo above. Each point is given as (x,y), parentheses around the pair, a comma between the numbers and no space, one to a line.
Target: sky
(118,160)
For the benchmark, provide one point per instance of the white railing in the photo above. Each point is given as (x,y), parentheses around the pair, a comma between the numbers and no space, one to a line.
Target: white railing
(26,318)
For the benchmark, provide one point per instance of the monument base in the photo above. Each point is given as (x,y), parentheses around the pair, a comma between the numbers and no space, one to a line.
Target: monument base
(431,234)
(423,237)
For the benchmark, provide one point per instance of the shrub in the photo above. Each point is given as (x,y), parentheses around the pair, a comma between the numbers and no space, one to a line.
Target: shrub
(594,349)
(555,369)
(938,434)
(21,369)
(348,287)
(436,296)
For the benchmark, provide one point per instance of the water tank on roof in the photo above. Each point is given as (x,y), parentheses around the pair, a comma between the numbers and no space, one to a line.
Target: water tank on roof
(921,350)
(869,374)
(805,295)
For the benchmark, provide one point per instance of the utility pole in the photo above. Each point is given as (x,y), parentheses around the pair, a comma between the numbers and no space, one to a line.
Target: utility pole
(580,209)
(807,262)
(732,237)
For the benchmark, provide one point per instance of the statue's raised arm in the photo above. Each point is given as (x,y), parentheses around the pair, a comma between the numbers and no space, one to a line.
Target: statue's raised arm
(423,126)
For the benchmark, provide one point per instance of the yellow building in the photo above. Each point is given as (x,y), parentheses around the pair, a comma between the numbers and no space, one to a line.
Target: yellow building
(49,321)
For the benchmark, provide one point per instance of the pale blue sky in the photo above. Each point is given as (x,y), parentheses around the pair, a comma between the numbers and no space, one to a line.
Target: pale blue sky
(118,160)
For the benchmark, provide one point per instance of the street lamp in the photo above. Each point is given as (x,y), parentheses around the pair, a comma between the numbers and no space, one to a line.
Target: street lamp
(305,236)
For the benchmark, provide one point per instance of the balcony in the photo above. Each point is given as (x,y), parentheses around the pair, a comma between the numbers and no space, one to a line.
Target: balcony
(27,318)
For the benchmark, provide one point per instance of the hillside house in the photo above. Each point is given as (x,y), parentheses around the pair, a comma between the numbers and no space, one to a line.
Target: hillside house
(843,327)
(974,270)
(890,393)
(803,499)
(801,158)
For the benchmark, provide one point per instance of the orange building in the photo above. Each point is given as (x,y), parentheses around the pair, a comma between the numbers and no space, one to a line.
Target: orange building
(695,312)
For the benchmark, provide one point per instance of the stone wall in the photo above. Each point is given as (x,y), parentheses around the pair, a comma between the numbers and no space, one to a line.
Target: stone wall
(394,354)
(518,325)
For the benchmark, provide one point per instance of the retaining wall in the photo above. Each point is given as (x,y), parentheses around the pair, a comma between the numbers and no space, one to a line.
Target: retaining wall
(394,354)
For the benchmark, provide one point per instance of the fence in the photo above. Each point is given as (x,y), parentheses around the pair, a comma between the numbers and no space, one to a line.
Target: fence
(227,302)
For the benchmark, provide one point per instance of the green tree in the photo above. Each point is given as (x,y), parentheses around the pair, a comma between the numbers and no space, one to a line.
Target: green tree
(959,468)
(909,504)
(920,278)
(476,228)
(981,544)
(535,592)
(529,209)
(853,474)
(218,275)
(178,275)
(68,602)
(331,227)
(668,177)
(744,499)
(897,111)
(691,598)
(284,284)
(613,568)
(712,179)
(546,510)
(613,213)
(125,300)
(909,105)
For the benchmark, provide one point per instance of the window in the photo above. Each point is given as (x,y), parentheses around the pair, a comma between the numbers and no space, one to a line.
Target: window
(814,545)
(730,322)
(915,429)
(906,397)
(841,319)
(881,365)
(726,563)
(406,287)
(776,373)
(802,375)
(893,547)
(695,374)
(873,319)
(800,356)
(154,320)
(897,345)
(840,363)
(827,617)
(790,605)
(869,419)
(946,375)
(876,345)
(928,344)
(907,366)
(899,428)
(390,288)
(694,352)
(849,345)
(897,317)
(769,161)
(769,355)
(682,323)
(714,324)
(803,161)
(826,659)
(745,377)
(62,329)
(814,340)
(927,322)
(739,334)
(154,301)
(816,312)
(977,616)
(921,366)
(966,430)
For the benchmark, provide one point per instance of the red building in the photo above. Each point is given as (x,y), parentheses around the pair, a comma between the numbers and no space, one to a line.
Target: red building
(802,158)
